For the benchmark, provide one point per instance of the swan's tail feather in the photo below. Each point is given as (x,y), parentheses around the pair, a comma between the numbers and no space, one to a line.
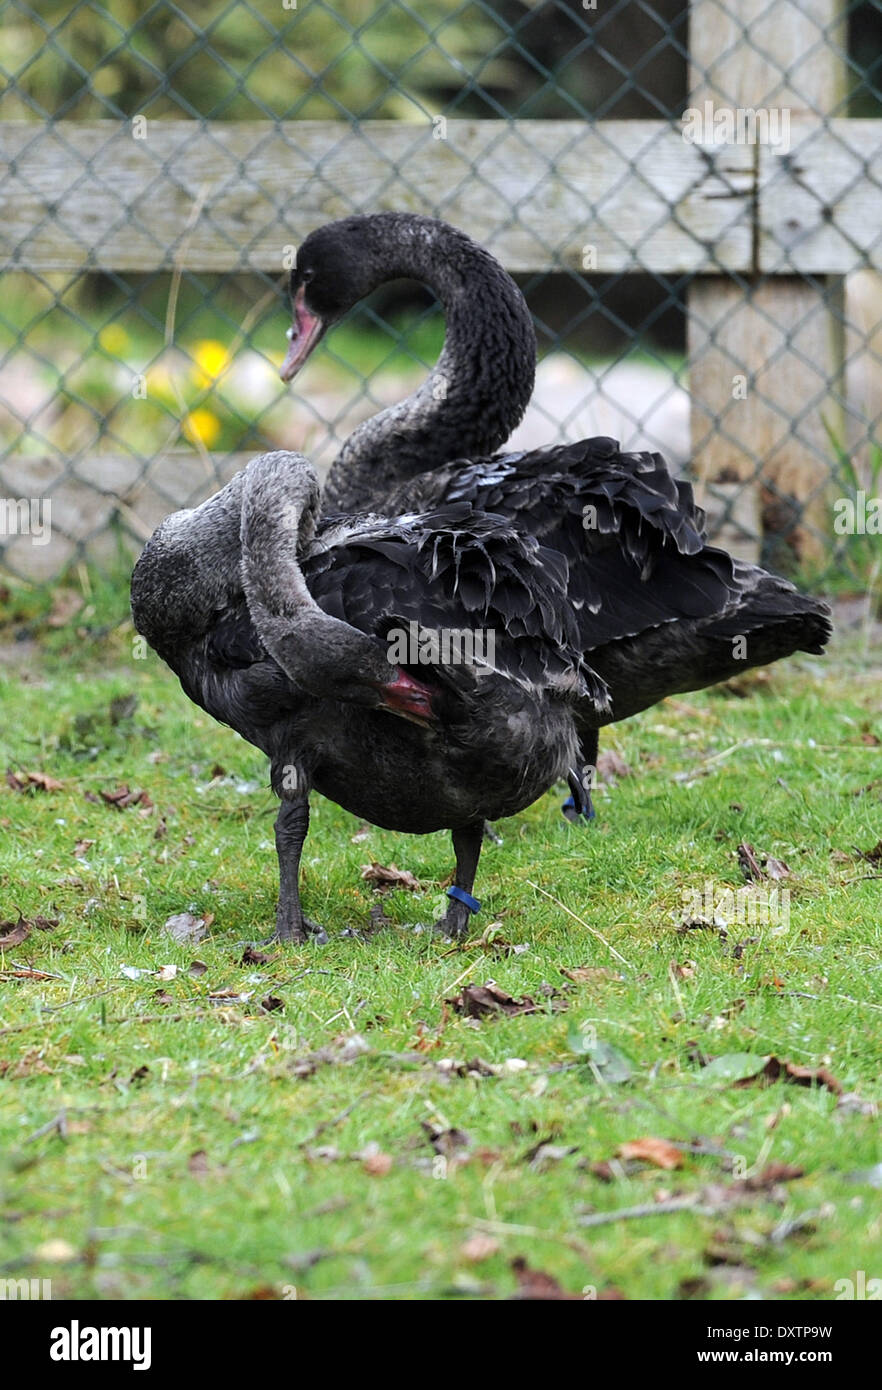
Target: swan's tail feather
(770,620)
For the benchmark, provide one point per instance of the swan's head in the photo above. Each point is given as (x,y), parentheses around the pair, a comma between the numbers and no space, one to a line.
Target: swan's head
(335,269)
(408,698)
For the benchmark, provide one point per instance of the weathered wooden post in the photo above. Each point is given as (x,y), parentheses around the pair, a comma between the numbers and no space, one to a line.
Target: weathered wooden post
(765,347)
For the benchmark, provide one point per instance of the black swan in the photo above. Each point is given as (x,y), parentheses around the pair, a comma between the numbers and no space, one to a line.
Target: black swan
(296,632)
(658,610)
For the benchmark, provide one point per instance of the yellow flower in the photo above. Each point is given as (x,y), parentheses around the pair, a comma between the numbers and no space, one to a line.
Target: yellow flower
(209,360)
(201,426)
(114,339)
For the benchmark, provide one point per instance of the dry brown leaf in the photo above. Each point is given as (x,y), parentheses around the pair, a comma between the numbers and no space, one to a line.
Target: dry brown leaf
(748,863)
(32,781)
(481,1001)
(251,956)
(776,1070)
(685,970)
(122,798)
(758,868)
(534,1284)
(660,1152)
(14,933)
(771,1175)
(386,877)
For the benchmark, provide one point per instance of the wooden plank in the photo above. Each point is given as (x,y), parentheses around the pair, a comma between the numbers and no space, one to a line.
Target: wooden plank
(765,349)
(537,193)
(101,498)
(820,202)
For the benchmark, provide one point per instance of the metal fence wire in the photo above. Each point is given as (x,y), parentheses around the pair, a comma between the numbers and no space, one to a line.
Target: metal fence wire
(690,196)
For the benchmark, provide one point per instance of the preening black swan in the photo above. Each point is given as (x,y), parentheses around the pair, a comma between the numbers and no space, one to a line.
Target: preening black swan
(658,610)
(297,633)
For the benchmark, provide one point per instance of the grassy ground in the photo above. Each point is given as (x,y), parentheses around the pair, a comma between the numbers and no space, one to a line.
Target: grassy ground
(296,1126)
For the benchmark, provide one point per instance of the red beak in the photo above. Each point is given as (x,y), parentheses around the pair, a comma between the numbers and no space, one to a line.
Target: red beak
(409,698)
(303,335)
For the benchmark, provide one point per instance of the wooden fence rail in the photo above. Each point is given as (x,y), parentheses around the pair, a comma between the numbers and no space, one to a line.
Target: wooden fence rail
(768,231)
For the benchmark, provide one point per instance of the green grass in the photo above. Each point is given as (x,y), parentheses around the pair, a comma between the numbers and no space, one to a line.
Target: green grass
(284,1193)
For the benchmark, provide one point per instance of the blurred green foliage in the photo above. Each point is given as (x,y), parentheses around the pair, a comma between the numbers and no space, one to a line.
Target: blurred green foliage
(251,58)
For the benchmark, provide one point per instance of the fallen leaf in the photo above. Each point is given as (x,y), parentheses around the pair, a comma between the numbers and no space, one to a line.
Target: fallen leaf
(122,798)
(683,971)
(448,1142)
(198,1164)
(775,1070)
(186,926)
(32,781)
(386,877)
(544,1154)
(534,1284)
(733,1066)
(14,933)
(133,972)
(167,972)
(759,867)
(604,1060)
(197,968)
(872,856)
(251,956)
(660,1152)
(271,1003)
(748,863)
(771,1175)
(776,868)
(481,1001)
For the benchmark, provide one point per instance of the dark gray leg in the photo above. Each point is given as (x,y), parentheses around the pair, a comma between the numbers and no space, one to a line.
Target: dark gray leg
(292,824)
(467,848)
(579,807)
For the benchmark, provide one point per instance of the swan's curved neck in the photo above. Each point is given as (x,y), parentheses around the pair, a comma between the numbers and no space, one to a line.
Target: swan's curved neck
(478,390)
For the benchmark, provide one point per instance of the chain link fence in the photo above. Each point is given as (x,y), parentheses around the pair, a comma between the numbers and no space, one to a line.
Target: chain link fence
(690,197)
